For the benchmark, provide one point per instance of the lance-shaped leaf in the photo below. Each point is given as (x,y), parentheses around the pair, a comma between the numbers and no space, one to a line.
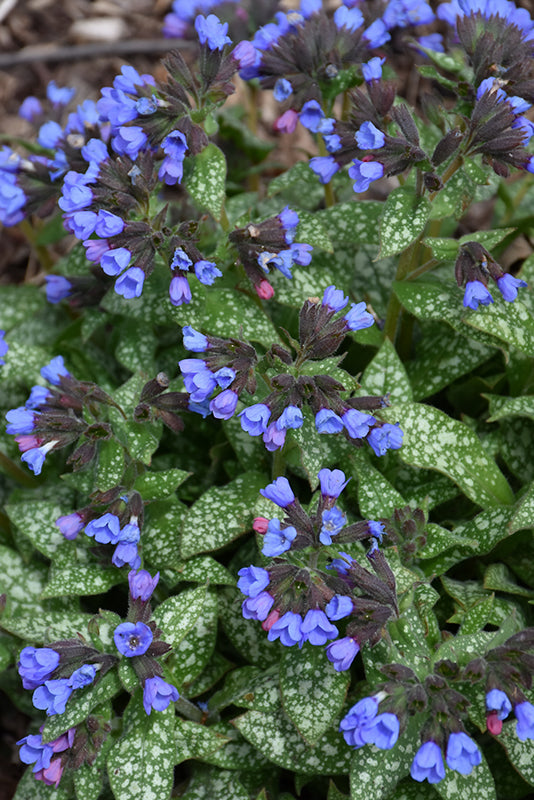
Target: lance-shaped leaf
(403,219)
(207,181)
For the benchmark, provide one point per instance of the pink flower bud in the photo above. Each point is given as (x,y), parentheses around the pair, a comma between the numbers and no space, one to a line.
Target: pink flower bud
(493,723)
(260,525)
(273,617)
(264,290)
(287,122)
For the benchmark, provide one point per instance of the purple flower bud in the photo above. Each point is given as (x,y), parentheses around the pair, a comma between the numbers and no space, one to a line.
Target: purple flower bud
(212,31)
(279,492)
(142,584)
(57,288)
(81,223)
(158,694)
(258,607)
(508,286)
(428,763)
(339,607)
(126,553)
(316,628)
(388,437)
(462,753)
(376,529)
(357,423)
(253,580)
(254,419)
(358,318)
(364,173)
(282,90)
(277,540)
(289,220)
(130,283)
(114,261)
(334,298)
(475,294)
(224,404)
(332,482)
(108,224)
(206,272)
(132,639)
(194,340)
(245,54)
(327,421)
(288,629)
(274,437)
(179,291)
(36,665)
(55,370)
(369,137)
(287,122)
(224,377)
(342,653)
(70,525)
(59,96)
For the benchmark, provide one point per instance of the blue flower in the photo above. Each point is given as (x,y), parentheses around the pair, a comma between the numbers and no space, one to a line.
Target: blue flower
(113,262)
(352,18)
(382,731)
(341,565)
(311,116)
(36,665)
(339,607)
(130,283)
(333,520)
(224,404)
(372,71)
(288,629)
(132,639)
(54,371)
(95,150)
(212,31)
(376,34)
(34,751)
(180,291)
(387,437)
(364,173)
(35,457)
(49,134)
(300,253)
(206,272)
(81,223)
(428,763)
(376,529)
(282,90)
(291,417)
(332,482)
(70,525)
(254,419)
(52,696)
(129,141)
(325,167)
(57,288)
(327,421)
(496,700)
(342,653)
(194,340)
(462,753)
(508,286)
(316,628)
(126,549)
(181,260)
(59,96)
(83,676)
(198,379)
(108,224)
(21,420)
(279,492)
(224,377)
(369,137)
(171,170)
(30,108)
(475,293)
(142,584)
(106,529)
(289,220)
(158,694)
(76,194)
(358,318)
(257,607)
(274,437)
(525,720)
(357,717)
(253,580)
(334,298)
(4,347)
(357,423)
(277,540)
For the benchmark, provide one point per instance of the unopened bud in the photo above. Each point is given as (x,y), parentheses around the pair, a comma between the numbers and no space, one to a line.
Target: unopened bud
(446,146)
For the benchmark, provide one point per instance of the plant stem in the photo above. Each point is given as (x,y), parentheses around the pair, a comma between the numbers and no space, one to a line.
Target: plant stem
(224,221)
(394,308)
(279,463)
(188,710)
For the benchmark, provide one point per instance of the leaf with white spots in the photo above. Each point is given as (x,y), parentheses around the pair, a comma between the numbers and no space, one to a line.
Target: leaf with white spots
(447,249)
(88,782)
(221,515)
(18,303)
(157,485)
(409,789)
(23,362)
(403,218)
(202,569)
(237,753)
(376,496)
(376,772)
(196,648)
(161,533)
(455,196)
(29,788)
(137,346)
(385,375)
(177,615)
(307,282)
(274,736)
(435,441)
(196,741)
(300,174)
(355,222)
(312,691)
(80,704)
(227,311)
(110,465)
(249,687)
(141,762)
(206,183)
(520,754)
(501,407)
(210,783)
(420,486)
(246,635)
(478,784)
(37,521)
(81,579)
(250,450)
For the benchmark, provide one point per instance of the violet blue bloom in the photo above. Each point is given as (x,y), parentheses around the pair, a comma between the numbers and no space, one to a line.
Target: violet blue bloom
(289,220)
(194,340)
(254,419)
(316,628)
(342,653)
(311,116)
(387,437)
(290,418)
(300,253)
(224,377)
(475,294)
(341,565)
(253,580)
(198,379)
(29,109)
(130,283)
(35,457)
(181,260)
(224,404)
(106,529)
(4,347)
(357,423)
(327,421)
(376,34)
(52,696)
(129,140)
(95,150)
(372,71)
(142,584)
(376,529)
(357,717)
(325,167)
(59,96)
(55,370)
(57,288)
(369,137)
(113,262)
(382,731)
(21,420)
(83,676)
(339,607)
(277,540)
(280,492)
(81,223)
(34,751)
(174,146)
(358,318)
(76,194)
(496,700)
(332,482)
(288,629)
(364,173)
(351,19)
(49,134)
(212,31)
(282,90)
(508,286)
(108,224)
(334,298)
(462,753)
(333,521)
(158,694)
(132,639)
(428,763)
(70,525)
(179,291)
(36,665)
(206,272)
(525,720)
(274,437)
(257,607)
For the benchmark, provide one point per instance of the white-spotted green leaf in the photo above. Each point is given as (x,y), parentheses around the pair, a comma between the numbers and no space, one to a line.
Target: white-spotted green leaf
(455,196)
(422,486)
(196,741)
(162,533)
(157,485)
(498,578)
(23,362)
(45,626)
(307,282)
(18,304)
(81,579)
(209,783)
(177,615)
(447,249)
(36,520)
(237,753)
(300,173)
(403,218)
(207,181)
(88,782)
(227,311)
(478,616)
(354,222)
(311,230)
(127,675)
(312,691)
(80,705)
(501,407)
(520,754)
(201,569)
(375,772)
(274,736)
(246,635)
(408,789)
(196,647)
(249,687)
(212,674)
(479,783)
(137,346)
(439,539)
(376,496)
(435,441)
(110,465)
(250,450)
(30,789)
(386,375)
(141,762)
(221,515)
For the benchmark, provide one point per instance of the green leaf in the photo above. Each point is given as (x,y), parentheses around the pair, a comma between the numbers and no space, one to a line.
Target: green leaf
(246,635)
(203,569)
(376,496)
(311,230)
(83,579)
(196,741)
(227,311)
(501,407)
(137,346)
(157,485)
(110,465)
(455,196)
(274,736)
(207,182)
(249,687)
(37,521)
(307,282)
(300,173)
(385,374)
(161,533)
(178,615)
(376,772)
(207,784)
(479,783)
(18,304)
(237,753)
(520,754)
(498,578)
(80,705)
(355,222)
(141,763)
(312,691)
(435,441)
(403,218)
(221,515)
(197,646)
(29,788)
(87,782)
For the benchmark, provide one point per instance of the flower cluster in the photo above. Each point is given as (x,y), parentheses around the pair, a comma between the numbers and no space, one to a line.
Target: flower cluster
(298,603)
(269,245)
(476,266)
